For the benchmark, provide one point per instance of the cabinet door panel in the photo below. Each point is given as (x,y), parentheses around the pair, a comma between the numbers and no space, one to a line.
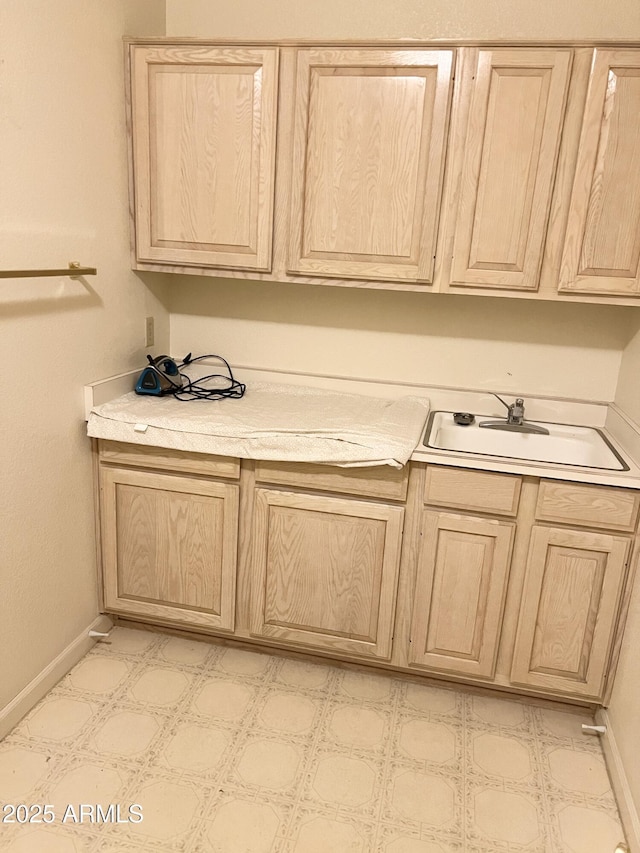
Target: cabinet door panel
(367,162)
(602,243)
(204,148)
(170,547)
(325,571)
(567,619)
(515,101)
(460,588)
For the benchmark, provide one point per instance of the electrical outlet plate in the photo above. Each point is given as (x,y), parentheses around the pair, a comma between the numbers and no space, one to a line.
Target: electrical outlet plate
(149,335)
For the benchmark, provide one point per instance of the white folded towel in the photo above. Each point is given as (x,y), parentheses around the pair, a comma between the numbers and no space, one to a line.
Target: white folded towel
(272,421)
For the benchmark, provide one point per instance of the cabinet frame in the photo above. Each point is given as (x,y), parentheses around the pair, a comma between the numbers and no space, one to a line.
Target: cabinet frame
(477,105)
(599,617)
(228,493)
(480,658)
(419,264)
(254,251)
(596,179)
(383,600)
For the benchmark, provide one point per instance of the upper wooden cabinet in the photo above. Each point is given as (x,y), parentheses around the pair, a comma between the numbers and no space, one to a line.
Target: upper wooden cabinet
(528,186)
(507,126)
(368,158)
(204,121)
(602,244)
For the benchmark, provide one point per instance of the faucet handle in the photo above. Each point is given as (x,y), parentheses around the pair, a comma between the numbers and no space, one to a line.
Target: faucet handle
(519,403)
(517,409)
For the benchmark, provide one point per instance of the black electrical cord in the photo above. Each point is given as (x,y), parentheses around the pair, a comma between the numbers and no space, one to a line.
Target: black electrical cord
(197,389)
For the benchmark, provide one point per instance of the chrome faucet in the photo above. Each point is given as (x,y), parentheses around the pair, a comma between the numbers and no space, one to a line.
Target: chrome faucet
(515,421)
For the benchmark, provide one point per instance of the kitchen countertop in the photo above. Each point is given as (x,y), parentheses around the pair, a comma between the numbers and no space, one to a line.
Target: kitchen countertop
(272,421)
(623,434)
(625,479)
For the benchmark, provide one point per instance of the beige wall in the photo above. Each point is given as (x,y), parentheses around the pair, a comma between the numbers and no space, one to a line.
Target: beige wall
(63,193)
(436,339)
(361,19)
(628,391)
(624,710)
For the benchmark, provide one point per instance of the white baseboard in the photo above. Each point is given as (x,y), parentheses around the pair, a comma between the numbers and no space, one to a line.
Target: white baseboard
(626,806)
(12,713)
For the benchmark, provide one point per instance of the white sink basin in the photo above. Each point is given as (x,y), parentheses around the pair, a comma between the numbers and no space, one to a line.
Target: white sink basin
(586,447)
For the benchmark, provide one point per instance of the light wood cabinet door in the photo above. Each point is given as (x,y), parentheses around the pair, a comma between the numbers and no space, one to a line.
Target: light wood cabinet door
(460,590)
(368,158)
(569,610)
(203,124)
(325,571)
(508,124)
(602,242)
(169,547)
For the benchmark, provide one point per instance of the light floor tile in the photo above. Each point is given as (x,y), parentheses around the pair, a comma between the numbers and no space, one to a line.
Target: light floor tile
(587,830)
(287,712)
(269,764)
(561,724)
(327,835)
(58,719)
(340,780)
(406,844)
(301,674)
(222,699)
(126,733)
(86,782)
(433,700)
(500,755)
(241,662)
(505,816)
(425,740)
(98,674)
(231,751)
(20,771)
(159,687)
(196,749)
(582,772)
(353,725)
(169,811)
(45,841)
(130,642)
(359,685)
(497,712)
(424,798)
(189,652)
(250,827)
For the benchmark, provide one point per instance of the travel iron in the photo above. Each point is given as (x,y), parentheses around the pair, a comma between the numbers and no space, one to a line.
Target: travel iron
(162,376)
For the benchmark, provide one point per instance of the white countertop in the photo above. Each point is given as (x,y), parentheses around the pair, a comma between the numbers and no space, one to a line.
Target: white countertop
(272,421)
(623,434)
(619,430)
(625,479)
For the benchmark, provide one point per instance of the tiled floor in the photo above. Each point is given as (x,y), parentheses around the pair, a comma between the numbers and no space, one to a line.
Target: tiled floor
(229,751)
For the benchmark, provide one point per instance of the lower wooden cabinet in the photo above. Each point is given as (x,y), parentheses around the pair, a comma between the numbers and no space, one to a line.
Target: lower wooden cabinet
(498,579)
(462,574)
(169,547)
(325,571)
(569,611)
